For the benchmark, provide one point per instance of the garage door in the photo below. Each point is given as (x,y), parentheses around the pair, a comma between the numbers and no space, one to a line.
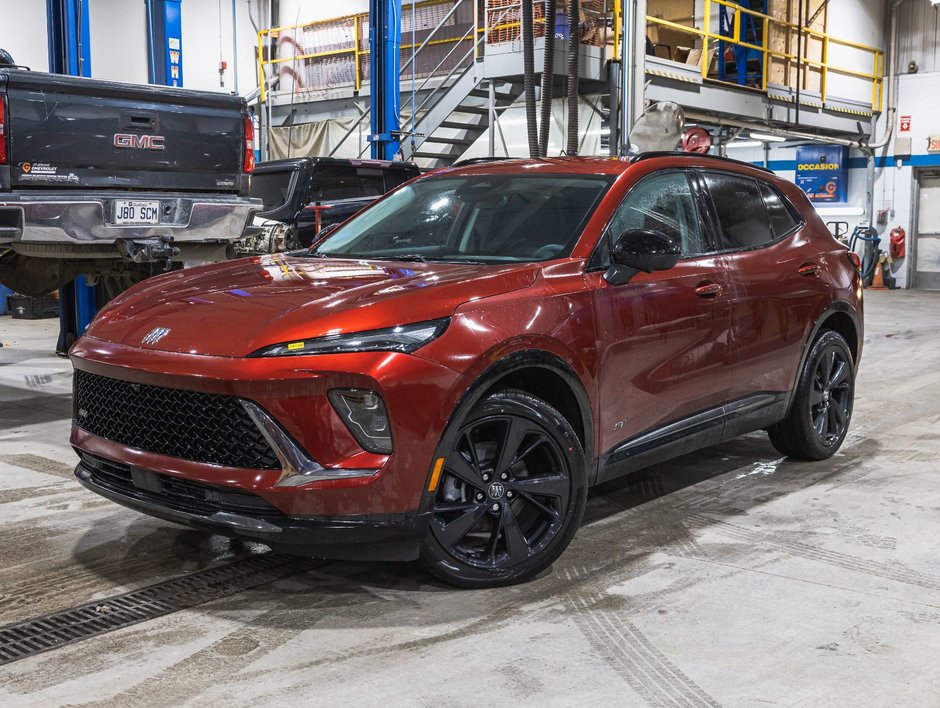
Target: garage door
(927,263)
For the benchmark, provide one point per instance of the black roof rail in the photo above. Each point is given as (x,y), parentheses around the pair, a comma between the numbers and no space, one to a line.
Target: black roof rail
(678,153)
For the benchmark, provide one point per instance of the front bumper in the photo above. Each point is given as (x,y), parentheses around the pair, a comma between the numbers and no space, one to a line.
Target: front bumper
(293,392)
(243,515)
(81,225)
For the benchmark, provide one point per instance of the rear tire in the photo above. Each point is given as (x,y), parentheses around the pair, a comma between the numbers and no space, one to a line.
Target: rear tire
(511,495)
(821,410)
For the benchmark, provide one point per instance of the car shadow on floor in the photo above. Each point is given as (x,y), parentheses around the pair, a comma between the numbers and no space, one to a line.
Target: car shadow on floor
(660,509)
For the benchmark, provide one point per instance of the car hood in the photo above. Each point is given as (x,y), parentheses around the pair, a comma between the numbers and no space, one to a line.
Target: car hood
(235,308)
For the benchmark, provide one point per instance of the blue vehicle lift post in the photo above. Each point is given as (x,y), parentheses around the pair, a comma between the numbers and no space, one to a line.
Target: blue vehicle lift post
(70,53)
(165,42)
(385,64)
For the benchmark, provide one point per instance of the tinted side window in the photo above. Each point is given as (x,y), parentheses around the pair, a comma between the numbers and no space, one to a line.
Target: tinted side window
(393,178)
(272,188)
(371,182)
(782,220)
(740,208)
(346,182)
(663,203)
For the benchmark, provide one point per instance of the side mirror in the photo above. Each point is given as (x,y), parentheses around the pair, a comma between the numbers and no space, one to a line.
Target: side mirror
(639,250)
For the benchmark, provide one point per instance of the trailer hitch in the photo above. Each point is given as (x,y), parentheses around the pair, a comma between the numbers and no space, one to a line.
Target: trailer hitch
(148,250)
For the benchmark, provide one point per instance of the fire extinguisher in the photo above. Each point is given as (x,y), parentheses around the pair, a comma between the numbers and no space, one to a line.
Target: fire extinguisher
(897,247)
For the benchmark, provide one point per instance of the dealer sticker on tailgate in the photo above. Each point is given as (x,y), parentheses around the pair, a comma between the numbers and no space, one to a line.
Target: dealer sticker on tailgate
(129,212)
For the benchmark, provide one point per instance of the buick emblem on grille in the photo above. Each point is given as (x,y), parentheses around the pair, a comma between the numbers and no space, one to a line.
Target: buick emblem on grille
(155,335)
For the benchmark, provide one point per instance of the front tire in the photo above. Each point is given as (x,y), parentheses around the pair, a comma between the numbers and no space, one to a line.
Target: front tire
(822,405)
(511,495)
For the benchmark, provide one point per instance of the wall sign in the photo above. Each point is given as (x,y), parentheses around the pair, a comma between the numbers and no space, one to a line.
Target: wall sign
(822,172)
(933,143)
(905,124)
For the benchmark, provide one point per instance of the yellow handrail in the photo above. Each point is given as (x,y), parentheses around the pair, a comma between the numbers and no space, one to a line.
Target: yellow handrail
(706,35)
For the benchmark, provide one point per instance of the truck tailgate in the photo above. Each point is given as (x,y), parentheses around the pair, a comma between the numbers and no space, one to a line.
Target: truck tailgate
(74,132)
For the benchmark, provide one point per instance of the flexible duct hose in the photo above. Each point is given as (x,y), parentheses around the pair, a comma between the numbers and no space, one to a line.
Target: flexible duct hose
(548,77)
(574,31)
(528,77)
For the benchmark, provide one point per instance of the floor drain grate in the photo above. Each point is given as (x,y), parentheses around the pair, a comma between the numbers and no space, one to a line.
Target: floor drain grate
(24,639)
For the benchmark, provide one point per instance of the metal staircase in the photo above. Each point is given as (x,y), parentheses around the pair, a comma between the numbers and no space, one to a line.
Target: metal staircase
(463,113)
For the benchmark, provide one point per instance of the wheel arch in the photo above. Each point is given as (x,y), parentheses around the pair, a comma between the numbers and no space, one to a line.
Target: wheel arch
(840,317)
(544,375)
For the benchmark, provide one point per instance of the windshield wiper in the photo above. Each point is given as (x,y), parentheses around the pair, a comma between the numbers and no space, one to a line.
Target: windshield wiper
(414,257)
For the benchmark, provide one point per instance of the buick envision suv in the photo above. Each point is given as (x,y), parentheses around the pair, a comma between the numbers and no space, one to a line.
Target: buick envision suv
(448,373)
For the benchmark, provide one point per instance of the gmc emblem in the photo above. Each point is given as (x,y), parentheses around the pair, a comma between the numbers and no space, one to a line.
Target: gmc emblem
(138,142)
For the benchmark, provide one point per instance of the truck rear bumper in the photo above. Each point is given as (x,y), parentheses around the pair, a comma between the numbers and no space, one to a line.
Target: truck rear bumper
(77,224)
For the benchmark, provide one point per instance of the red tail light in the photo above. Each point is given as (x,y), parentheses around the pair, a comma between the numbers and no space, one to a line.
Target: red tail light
(248,165)
(856,261)
(3,132)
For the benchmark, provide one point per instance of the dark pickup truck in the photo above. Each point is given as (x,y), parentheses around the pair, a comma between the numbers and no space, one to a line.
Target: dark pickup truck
(109,179)
(301,196)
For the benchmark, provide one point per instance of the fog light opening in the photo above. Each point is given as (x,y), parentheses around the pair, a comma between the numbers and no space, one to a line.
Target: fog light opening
(363,412)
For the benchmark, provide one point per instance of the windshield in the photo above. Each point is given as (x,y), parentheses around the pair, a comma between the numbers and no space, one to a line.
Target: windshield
(480,218)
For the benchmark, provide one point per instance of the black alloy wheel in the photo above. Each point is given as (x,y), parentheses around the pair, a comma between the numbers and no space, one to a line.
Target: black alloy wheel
(821,410)
(510,495)
(830,400)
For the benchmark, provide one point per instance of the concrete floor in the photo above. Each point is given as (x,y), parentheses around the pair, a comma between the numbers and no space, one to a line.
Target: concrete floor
(731,577)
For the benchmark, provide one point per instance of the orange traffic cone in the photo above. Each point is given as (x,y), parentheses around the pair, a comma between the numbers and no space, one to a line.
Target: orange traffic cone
(878,281)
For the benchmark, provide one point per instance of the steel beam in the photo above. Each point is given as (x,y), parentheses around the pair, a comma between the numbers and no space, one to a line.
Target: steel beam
(70,53)
(385,65)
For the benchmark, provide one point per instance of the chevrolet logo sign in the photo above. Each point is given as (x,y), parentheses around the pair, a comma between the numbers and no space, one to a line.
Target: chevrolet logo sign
(155,335)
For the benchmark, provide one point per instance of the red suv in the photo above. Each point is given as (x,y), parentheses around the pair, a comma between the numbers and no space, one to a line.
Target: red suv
(450,370)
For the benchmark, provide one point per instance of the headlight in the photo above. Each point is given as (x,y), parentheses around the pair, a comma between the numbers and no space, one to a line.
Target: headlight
(403,338)
(364,413)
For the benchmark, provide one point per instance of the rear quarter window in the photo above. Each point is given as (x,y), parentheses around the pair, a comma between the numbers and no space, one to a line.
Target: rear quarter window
(783,217)
(742,214)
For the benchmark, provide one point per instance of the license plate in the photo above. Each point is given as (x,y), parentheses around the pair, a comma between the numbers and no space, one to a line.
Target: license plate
(133,212)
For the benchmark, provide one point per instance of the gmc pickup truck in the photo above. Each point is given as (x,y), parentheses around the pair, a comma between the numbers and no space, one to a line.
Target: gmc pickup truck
(117,180)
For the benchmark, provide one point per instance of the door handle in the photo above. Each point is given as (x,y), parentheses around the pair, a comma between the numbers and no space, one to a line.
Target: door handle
(708,289)
(809,269)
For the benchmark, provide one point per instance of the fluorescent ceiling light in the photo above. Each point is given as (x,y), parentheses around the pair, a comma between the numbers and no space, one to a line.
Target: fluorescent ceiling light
(770,138)
(745,144)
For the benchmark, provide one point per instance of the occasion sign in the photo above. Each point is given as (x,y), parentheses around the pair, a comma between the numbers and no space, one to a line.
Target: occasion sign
(822,172)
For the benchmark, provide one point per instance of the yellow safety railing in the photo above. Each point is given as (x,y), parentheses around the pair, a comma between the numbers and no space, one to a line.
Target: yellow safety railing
(496,20)
(706,35)
(358,53)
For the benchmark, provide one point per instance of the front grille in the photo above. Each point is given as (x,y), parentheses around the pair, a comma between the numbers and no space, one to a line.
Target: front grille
(177,493)
(202,427)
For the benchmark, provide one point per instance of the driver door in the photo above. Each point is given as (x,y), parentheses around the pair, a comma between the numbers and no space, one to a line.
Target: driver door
(663,338)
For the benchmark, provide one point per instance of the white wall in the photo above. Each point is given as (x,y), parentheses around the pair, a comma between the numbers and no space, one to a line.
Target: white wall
(202,44)
(118,40)
(895,185)
(292,12)
(861,21)
(919,33)
(23,32)
(118,30)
